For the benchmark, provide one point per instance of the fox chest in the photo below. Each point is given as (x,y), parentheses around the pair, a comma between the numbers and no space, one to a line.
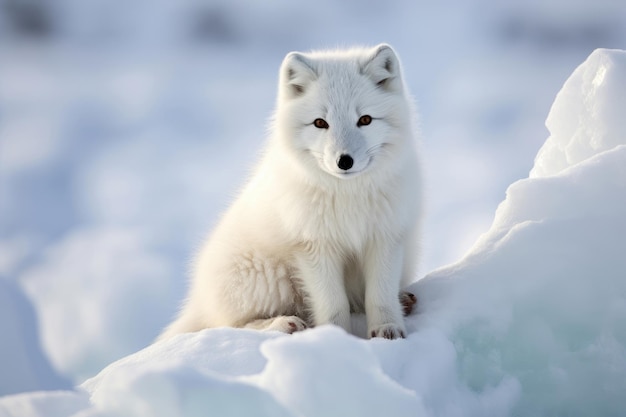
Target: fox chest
(348,221)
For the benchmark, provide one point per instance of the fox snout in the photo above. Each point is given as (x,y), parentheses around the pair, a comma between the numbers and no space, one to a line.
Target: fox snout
(345,163)
(345,153)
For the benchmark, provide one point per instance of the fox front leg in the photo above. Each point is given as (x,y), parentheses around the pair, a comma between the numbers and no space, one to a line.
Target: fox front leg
(321,275)
(383,269)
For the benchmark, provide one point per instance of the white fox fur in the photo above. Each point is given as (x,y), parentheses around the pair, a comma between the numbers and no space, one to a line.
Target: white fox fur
(308,241)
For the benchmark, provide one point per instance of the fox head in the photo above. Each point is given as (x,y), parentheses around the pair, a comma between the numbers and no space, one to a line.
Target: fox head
(343,112)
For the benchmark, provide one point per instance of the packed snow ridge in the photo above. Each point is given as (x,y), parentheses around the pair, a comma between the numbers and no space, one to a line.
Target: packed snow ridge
(530,322)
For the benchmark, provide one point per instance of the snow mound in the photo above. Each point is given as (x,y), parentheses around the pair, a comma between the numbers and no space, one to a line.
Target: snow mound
(23,365)
(323,371)
(587,117)
(529,322)
(541,297)
(117,271)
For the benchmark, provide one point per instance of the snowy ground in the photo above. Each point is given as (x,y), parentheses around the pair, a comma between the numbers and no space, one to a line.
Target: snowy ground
(117,155)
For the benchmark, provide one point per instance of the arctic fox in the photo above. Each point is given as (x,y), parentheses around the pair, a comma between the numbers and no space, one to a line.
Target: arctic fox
(327,224)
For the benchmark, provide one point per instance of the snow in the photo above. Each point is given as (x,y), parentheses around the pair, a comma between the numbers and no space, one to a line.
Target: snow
(529,322)
(594,94)
(541,297)
(122,139)
(23,364)
(44,404)
(110,258)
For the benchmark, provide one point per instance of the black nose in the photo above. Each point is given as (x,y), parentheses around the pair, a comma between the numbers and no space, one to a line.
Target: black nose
(345,162)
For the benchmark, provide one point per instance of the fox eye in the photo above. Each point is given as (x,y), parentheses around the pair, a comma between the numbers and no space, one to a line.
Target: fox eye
(364,120)
(320,124)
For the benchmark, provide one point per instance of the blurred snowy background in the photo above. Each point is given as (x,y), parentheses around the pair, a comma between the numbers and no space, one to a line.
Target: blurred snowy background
(127,127)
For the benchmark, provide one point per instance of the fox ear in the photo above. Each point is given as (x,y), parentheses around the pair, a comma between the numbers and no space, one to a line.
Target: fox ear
(296,73)
(383,68)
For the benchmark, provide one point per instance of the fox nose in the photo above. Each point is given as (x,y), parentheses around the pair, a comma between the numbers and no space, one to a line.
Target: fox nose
(345,162)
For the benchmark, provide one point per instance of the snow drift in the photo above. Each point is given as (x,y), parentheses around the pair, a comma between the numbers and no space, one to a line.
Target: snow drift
(530,322)
(541,297)
(23,365)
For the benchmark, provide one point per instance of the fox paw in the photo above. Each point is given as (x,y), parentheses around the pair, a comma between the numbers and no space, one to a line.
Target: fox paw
(408,301)
(388,331)
(288,324)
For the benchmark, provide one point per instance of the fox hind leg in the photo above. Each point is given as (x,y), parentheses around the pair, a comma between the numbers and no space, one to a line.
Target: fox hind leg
(285,324)
(408,301)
